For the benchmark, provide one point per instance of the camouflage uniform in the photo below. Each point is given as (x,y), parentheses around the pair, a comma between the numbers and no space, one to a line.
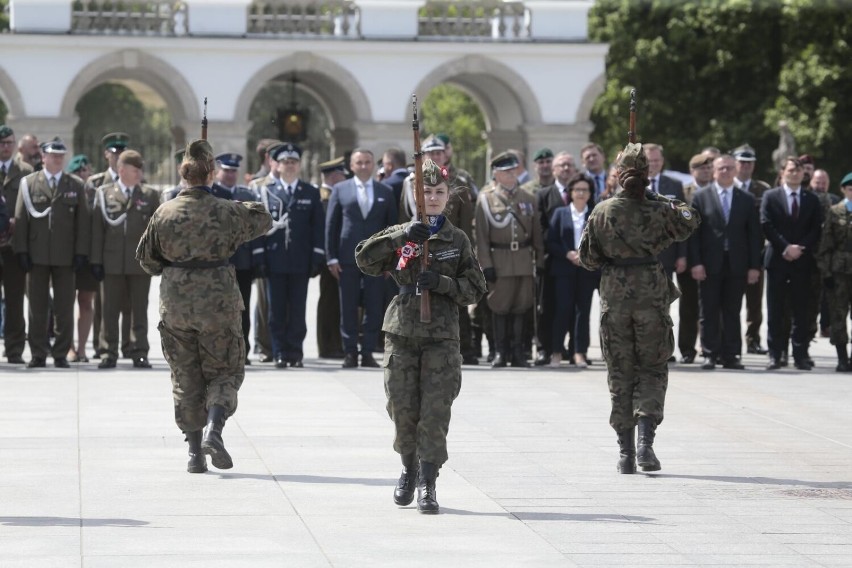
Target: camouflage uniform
(835,262)
(623,237)
(422,361)
(189,241)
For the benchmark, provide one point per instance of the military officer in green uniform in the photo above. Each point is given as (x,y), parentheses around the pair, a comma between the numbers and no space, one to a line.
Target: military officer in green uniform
(51,241)
(329,343)
(509,245)
(623,236)
(189,241)
(423,360)
(835,262)
(14,279)
(121,214)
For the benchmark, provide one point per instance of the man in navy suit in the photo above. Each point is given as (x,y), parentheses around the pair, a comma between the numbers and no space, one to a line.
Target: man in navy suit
(250,255)
(358,208)
(294,252)
(725,255)
(792,223)
(393,161)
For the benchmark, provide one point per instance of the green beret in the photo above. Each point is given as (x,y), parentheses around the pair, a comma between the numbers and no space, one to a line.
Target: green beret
(200,150)
(179,155)
(5,131)
(433,174)
(75,164)
(633,156)
(504,161)
(543,154)
(443,138)
(847,180)
(116,142)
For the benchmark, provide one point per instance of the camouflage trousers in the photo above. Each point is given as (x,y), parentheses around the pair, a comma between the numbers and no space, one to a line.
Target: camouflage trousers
(208,367)
(422,378)
(840,299)
(636,346)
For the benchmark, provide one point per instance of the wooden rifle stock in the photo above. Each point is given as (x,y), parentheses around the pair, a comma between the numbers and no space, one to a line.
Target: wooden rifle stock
(204,121)
(420,200)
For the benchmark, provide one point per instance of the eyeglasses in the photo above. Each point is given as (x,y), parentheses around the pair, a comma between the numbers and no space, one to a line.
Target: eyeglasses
(7,142)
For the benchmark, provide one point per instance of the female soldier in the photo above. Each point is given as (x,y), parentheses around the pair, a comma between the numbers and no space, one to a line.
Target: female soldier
(422,360)
(189,241)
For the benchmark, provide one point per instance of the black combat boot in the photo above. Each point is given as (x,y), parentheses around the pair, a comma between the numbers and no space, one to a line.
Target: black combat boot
(645,453)
(627,451)
(197,460)
(519,355)
(842,359)
(426,499)
(501,323)
(212,443)
(404,492)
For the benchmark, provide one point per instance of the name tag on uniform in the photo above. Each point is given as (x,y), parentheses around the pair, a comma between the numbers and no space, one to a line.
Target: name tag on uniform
(446,254)
(71,194)
(380,199)
(303,201)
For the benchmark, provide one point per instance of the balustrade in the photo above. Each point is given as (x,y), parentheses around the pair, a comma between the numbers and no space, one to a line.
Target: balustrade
(117,17)
(317,18)
(474,19)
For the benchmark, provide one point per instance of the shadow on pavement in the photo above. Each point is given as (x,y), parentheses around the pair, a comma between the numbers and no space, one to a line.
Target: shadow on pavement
(313,479)
(761,481)
(68,522)
(533,516)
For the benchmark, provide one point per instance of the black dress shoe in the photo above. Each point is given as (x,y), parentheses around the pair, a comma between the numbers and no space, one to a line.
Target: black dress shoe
(265,359)
(36,362)
(141,363)
(542,358)
(784,360)
(332,355)
(96,355)
(773,364)
(755,349)
(107,363)
(688,359)
(248,361)
(15,360)
(708,363)
(368,361)
(470,360)
(350,361)
(733,364)
(802,365)
(672,359)
(61,363)
(280,362)
(297,363)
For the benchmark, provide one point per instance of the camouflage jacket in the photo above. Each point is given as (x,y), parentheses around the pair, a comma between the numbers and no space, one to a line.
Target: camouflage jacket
(451,255)
(835,247)
(621,231)
(198,227)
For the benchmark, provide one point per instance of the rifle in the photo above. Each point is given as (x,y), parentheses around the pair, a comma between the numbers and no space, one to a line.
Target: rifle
(420,200)
(631,134)
(204,121)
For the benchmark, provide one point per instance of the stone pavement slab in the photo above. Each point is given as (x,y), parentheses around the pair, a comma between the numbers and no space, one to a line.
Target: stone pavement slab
(756,471)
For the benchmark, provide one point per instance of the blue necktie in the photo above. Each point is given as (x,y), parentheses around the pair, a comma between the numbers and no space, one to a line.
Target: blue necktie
(726,208)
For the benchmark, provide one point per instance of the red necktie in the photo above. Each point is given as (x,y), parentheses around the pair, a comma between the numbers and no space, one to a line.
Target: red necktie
(794,208)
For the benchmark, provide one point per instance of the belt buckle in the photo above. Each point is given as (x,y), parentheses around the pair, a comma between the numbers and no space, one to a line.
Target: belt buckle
(513,246)
(417,290)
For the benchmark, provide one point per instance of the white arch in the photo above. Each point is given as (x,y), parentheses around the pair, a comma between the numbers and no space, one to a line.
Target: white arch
(11,96)
(590,95)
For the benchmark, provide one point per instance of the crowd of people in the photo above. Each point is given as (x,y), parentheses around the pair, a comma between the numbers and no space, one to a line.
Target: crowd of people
(68,235)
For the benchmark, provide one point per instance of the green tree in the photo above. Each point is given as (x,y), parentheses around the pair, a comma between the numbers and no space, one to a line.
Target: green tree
(4,112)
(449,110)
(4,16)
(705,73)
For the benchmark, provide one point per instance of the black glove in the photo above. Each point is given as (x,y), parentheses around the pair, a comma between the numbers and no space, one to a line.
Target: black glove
(25,262)
(97,271)
(540,272)
(258,271)
(417,232)
(79,262)
(828,283)
(490,274)
(428,280)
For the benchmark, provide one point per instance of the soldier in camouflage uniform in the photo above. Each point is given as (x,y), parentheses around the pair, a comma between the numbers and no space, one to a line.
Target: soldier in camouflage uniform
(623,237)
(190,240)
(422,360)
(835,262)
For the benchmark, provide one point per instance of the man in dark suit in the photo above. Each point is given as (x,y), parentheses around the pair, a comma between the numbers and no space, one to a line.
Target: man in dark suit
(14,279)
(294,252)
(358,208)
(792,222)
(724,254)
(393,161)
(673,258)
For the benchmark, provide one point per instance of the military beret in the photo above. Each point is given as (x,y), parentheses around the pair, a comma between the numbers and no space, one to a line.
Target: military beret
(199,150)
(542,154)
(745,153)
(433,174)
(6,131)
(179,155)
(847,180)
(55,146)
(229,161)
(699,160)
(131,158)
(633,156)
(504,161)
(806,159)
(285,151)
(443,138)
(335,165)
(433,144)
(116,142)
(77,163)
